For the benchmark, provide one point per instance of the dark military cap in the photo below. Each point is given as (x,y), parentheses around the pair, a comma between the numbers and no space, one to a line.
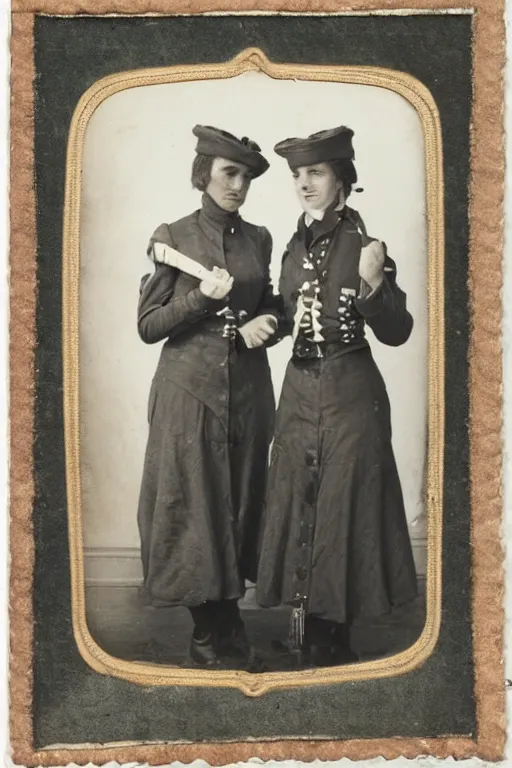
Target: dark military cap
(331,144)
(217,143)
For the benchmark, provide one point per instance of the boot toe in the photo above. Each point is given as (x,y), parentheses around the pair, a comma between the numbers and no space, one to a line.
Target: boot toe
(202,652)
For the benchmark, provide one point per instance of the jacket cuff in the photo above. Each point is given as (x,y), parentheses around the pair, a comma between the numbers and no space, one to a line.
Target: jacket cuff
(240,342)
(203,305)
(374,302)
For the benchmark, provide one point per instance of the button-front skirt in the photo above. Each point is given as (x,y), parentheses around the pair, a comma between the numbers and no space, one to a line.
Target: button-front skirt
(336,535)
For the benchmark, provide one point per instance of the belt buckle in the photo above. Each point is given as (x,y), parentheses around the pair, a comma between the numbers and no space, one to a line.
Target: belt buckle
(230,326)
(304,349)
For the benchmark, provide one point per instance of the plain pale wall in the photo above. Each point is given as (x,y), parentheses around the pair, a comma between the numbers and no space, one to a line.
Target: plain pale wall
(136,174)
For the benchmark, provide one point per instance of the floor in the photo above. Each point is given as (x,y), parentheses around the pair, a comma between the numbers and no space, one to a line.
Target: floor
(125,627)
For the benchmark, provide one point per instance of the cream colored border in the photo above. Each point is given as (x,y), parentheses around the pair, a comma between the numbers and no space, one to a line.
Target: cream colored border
(253,59)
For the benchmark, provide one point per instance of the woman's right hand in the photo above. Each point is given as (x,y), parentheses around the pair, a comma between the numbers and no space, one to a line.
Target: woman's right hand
(258,330)
(218,289)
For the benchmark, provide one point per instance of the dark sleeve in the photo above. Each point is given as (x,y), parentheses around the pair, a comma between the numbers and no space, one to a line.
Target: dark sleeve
(286,316)
(268,304)
(271,303)
(162,315)
(385,310)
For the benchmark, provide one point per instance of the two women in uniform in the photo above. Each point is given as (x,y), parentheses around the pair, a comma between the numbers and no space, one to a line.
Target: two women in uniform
(331,538)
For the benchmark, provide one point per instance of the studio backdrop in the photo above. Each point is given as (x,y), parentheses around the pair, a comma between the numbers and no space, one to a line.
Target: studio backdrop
(137,161)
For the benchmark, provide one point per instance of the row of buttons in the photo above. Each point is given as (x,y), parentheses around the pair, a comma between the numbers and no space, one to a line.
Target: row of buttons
(306,526)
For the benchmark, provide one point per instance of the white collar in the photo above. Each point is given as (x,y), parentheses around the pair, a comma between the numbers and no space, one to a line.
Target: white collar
(317,214)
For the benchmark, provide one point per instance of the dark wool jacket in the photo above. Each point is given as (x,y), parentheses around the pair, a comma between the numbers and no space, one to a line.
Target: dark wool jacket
(172,307)
(211,415)
(327,254)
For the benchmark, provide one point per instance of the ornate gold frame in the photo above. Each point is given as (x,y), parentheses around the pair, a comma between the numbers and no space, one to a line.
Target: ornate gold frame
(253,59)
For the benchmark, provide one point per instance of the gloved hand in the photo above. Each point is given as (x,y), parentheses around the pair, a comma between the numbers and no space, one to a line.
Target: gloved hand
(258,330)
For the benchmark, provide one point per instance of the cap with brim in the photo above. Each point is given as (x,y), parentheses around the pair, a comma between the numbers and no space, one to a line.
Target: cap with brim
(331,144)
(215,142)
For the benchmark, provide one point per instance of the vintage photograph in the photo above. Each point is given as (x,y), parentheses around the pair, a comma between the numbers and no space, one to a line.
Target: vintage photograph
(253,374)
(255,382)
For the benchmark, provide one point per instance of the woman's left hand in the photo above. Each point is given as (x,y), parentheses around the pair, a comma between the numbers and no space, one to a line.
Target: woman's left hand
(371,263)
(258,330)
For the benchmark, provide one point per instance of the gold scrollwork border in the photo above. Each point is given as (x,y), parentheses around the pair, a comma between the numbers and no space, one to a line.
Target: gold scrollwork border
(253,59)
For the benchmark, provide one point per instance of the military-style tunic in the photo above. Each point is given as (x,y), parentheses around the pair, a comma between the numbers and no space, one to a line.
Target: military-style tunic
(211,415)
(335,538)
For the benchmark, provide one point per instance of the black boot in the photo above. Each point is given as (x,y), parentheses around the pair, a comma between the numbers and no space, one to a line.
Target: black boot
(234,648)
(204,641)
(317,642)
(326,643)
(202,651)
(342,651)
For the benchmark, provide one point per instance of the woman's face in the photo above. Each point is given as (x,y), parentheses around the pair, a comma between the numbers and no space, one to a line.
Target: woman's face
(317,186)
(229,183)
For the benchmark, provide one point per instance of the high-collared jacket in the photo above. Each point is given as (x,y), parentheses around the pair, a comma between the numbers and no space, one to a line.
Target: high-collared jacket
(211,414)
(335,541)
(321,262)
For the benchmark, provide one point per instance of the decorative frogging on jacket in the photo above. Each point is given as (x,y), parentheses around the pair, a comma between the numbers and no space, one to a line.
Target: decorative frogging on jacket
(309,309)
(350,320)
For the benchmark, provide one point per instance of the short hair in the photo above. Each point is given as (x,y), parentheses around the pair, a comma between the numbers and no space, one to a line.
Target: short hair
(201,171)
(345,171)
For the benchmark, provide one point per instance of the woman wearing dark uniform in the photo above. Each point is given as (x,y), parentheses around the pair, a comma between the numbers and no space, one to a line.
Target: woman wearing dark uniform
(211,405)
(336,544)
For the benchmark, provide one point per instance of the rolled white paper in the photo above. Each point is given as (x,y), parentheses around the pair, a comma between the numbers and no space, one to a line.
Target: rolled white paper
(164,254)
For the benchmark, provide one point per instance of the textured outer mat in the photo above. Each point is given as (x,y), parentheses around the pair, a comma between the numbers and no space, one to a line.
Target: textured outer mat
(454,703)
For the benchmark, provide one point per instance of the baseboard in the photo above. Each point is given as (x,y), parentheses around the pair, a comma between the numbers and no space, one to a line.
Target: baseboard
(121,566)
(112,567)
(419,552)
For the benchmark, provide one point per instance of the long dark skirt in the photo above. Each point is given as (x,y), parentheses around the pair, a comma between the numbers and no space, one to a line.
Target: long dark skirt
(335,533)
(202,493)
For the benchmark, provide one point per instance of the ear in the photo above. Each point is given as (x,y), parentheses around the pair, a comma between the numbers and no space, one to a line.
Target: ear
(341,195)
(339,187)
